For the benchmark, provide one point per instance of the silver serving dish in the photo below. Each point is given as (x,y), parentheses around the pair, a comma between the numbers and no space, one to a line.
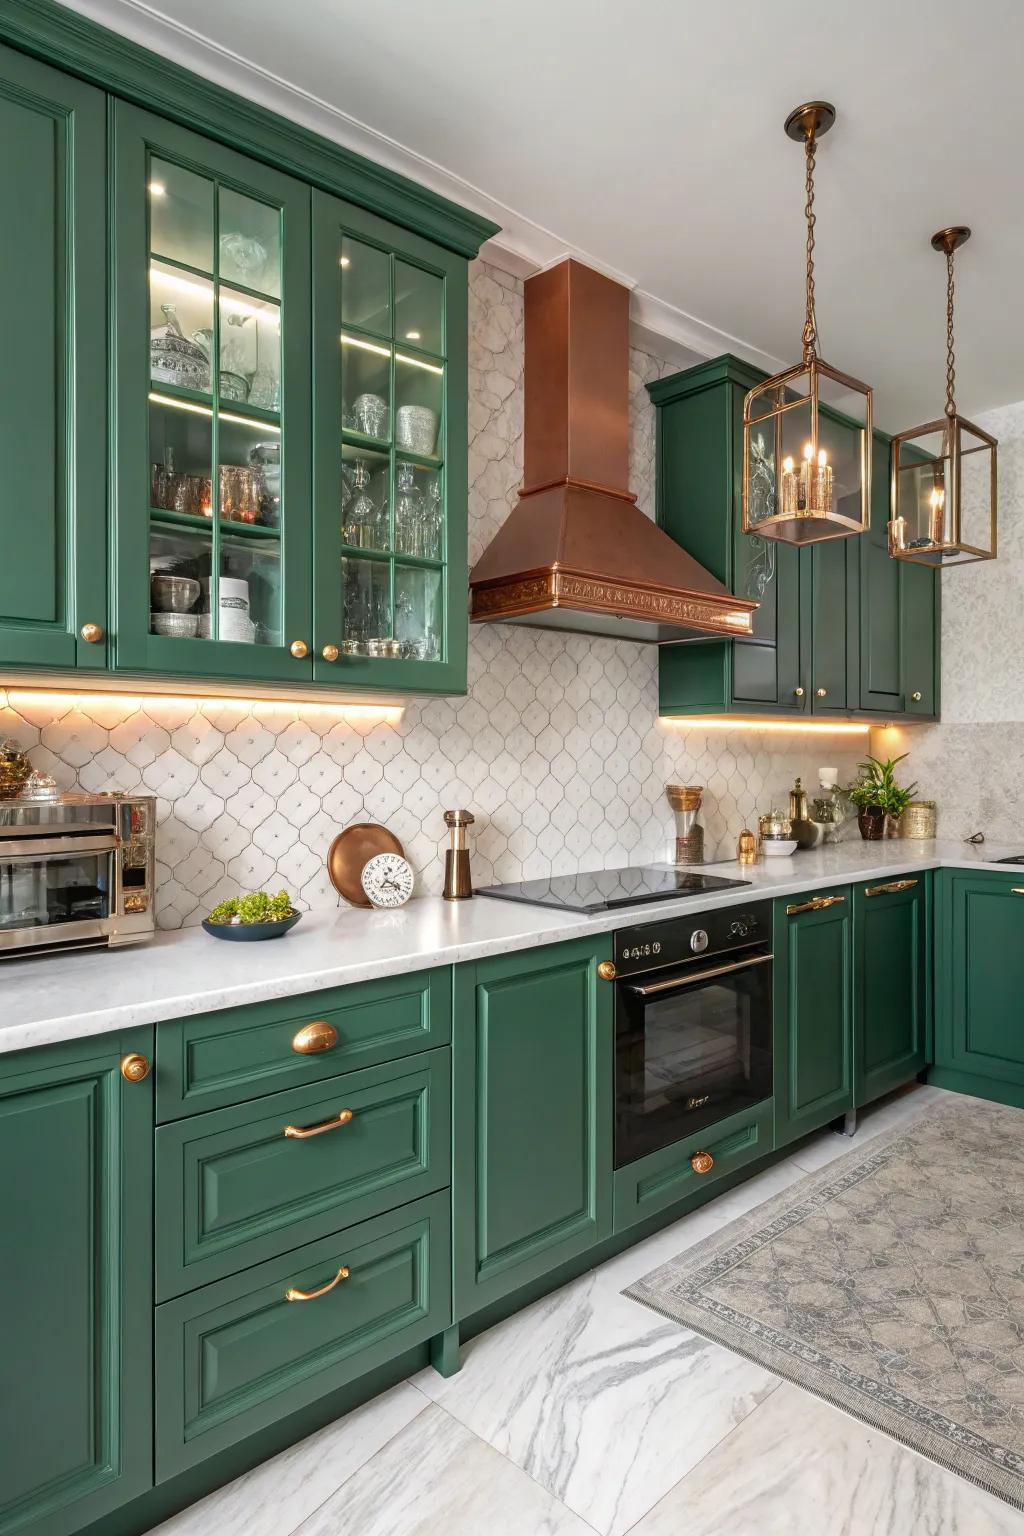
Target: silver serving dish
(416,428)
(40,788)
(179,626)
(173,359)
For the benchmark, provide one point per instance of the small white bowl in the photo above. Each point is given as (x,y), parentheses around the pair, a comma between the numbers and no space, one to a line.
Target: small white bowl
(777,847)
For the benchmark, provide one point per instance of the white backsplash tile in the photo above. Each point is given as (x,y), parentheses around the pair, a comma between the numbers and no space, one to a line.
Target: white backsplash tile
(557,748)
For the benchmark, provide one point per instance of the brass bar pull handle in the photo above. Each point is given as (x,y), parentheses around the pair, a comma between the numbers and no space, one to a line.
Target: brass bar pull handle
(816,904)
(691,978)
(294,1294)
(300,1133)
(1017,890)
(891,885)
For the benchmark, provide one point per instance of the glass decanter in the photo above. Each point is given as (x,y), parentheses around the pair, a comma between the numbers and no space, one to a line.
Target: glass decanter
(409,512)
(362,527)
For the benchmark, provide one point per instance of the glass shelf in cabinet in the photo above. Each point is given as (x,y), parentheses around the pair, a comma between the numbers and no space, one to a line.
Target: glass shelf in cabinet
(197,400)
(228,529)
(353,439)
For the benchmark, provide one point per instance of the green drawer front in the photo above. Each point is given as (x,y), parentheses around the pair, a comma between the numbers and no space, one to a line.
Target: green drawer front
(237,1356)
(664,1178)
(237,1054)
(232,1189)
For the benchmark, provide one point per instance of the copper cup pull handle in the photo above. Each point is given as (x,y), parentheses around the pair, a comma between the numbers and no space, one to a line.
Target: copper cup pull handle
(318,1036)
(294,1294)
(301,1133)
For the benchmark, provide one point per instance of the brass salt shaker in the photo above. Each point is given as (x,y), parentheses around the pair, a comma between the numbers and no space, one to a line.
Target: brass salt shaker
(458,883)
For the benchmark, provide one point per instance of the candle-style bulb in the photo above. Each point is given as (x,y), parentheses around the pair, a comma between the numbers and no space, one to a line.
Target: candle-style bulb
(787,464)
(822,458)
(938,497)
(808,451)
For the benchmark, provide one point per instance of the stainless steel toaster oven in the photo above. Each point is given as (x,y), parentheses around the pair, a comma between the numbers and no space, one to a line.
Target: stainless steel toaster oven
(77,870)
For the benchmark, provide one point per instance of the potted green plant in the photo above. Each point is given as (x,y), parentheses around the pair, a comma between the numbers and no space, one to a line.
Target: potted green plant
(878,798)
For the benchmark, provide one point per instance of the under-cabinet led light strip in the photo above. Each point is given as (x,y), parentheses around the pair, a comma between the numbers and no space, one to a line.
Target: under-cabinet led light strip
(204,410)
(400,357)
(387,714)
(270,315)
(797,727)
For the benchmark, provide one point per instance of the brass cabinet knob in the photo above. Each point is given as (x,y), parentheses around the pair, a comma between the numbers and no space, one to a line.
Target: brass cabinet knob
(330,653)
(798,693)
(299,649)
(318,1036)
(821,692)
(93,633)
(702,1162)
(606,970)
(134,1067)
(916,698)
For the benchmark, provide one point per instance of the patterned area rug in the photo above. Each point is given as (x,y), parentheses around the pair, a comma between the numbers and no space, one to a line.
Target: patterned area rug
(891,1284)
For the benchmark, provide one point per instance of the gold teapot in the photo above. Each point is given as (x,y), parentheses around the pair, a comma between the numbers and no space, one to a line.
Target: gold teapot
(15,769)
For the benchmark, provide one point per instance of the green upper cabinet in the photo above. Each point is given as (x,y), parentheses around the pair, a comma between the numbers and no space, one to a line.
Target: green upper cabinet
(53,324)
(532,1115)
(390,433)
(841,628)
(212,390)
(76,1278)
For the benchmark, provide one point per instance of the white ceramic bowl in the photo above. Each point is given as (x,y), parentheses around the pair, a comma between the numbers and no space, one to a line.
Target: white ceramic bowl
(777,847)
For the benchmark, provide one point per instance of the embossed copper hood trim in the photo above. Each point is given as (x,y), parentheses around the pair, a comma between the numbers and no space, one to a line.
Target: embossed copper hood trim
(576,553)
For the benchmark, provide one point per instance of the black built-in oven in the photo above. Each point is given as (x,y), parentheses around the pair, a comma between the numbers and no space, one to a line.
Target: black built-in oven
(693,1024)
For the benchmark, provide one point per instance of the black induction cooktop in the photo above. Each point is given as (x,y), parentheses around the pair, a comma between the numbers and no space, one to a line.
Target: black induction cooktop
(1014,858)
(602,890)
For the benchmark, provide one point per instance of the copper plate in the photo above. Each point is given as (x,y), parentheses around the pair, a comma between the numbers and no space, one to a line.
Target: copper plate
(351,851)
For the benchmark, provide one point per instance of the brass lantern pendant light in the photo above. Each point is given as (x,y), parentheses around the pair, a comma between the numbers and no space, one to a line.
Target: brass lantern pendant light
(807,430)
(944,473)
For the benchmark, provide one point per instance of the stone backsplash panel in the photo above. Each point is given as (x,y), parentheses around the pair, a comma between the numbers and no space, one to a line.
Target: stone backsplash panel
(557,747)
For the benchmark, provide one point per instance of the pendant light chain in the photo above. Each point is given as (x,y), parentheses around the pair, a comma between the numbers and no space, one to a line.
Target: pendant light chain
(811,319)
(950,361)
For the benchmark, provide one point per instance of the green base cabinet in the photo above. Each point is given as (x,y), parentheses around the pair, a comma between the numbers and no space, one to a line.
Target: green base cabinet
(889,984)
(980,981)
(841,630)
(532,1111)
(53,322)
(76,1277)
(666,1177)
(236,1356)
(813,1015)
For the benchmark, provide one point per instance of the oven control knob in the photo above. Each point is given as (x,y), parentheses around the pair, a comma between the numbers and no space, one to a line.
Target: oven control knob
(698,941)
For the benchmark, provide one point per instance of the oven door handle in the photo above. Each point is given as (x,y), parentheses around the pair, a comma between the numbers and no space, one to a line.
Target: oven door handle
(690,979)
(44,847)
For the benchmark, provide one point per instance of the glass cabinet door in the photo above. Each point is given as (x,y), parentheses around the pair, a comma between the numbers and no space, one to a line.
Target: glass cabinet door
(390,451)
(213,387)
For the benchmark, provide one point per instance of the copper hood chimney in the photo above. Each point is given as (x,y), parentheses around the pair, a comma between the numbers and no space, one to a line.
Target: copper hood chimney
(576,553)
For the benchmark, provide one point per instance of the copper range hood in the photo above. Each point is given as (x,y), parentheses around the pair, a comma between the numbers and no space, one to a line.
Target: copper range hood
(576,553)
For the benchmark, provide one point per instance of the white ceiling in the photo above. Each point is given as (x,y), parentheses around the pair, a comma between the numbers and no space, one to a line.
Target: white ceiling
(647,136)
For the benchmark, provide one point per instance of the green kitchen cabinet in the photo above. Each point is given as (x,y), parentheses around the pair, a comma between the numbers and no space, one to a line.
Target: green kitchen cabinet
(841,629)
(813,1012)
(889,984)
(53,323)
(390,434)
(76,1216)
(532,1116)
(979,1035)
(212,391)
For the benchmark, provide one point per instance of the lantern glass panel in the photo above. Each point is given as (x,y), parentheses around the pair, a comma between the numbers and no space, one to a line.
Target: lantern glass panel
(944,499)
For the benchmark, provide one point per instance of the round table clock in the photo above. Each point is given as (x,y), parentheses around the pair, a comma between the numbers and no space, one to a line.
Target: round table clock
(387,880)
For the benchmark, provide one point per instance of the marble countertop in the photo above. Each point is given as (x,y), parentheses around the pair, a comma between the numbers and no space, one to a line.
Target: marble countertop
(91,992)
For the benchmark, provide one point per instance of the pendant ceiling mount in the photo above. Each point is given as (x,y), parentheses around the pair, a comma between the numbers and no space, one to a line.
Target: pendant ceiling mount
(944,485)
(807,430)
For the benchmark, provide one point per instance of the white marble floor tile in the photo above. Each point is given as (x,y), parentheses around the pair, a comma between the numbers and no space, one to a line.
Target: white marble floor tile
(275,1497)
(633,1263)
(887,1115)
(437,1478)
(798,1467)
(601,1401)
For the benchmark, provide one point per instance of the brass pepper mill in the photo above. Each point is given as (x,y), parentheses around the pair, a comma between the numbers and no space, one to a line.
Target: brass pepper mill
(458,883)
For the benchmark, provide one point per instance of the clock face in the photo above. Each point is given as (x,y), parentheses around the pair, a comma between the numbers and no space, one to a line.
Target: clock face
(387,880)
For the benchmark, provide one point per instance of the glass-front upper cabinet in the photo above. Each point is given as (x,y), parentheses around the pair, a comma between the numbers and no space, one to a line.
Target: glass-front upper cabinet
(213,524)
(389,324)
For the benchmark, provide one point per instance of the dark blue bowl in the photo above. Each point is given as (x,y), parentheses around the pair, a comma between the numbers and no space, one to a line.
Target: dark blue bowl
(249,933)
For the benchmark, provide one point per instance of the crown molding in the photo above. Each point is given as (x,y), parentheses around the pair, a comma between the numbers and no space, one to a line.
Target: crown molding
(521,246)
